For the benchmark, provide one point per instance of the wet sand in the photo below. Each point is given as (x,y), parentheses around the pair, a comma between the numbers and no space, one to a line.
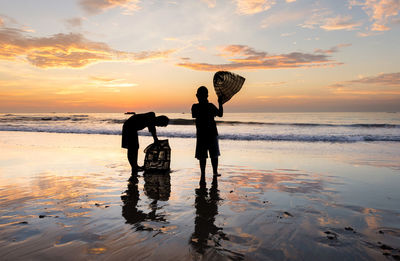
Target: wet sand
(72,197)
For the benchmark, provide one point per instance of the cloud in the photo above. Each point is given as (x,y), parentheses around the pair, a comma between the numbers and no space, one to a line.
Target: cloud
(150,55)
(368,33)
(323,18)
(69,92)
(249,7)
(381,12)
(388,79)
(282,17)
(102,79)
(371,85)
(210,3)
(316,18)
(336,85)
(98,6)
(340,23)
(111,82)
(288,34)
(64,50)
(242,57)
(74,22)
(333,49)
(7,20)
(270,84)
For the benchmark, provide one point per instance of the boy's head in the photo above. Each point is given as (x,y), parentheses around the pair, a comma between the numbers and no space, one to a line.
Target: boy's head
(202,94)
(162,121)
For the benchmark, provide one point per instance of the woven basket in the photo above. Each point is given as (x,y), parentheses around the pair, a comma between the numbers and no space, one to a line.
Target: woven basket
(227,84)
(158,157)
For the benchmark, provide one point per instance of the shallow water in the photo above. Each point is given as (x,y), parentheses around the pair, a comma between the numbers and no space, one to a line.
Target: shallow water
(71,196)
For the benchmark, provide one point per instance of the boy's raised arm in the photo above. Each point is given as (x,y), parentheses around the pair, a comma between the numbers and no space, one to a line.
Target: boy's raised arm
(220,108)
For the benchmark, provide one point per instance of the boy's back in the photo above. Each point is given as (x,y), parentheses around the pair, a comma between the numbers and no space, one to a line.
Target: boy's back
(206,130)
(204,114)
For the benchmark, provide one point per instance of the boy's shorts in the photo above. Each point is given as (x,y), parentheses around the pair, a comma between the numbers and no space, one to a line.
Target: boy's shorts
(204,145)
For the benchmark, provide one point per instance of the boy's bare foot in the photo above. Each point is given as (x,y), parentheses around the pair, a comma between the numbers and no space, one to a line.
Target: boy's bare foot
(137,169)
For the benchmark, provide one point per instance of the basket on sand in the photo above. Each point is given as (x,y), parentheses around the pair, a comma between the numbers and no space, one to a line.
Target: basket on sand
(158,156)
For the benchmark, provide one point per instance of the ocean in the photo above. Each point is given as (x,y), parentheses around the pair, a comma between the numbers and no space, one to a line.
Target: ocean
(300,127)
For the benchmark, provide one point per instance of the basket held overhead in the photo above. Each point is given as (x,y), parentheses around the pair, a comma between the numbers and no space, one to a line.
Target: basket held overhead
(227,84)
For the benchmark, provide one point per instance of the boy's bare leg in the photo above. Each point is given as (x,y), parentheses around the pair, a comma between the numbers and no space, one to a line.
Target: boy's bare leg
(202,180)
(214,163)
(203,166)
(132,158)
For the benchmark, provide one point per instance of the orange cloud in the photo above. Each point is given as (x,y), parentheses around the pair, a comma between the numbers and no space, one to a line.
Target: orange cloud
(1,22)
(374,83)
(288,97)
(388,79)
(64,50)
(111,82)
(322,18)
(248,7)
(98,6)
(380,12)
(369,33)
(150,55)
(242,57)
(210,3)
(102,79)
(340,23)
(269,84)
(334,49)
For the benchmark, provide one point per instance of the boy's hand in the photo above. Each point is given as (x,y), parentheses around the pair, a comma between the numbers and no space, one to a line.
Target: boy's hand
(220,100)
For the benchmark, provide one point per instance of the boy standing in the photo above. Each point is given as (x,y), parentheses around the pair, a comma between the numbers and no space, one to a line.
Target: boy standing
(206,130)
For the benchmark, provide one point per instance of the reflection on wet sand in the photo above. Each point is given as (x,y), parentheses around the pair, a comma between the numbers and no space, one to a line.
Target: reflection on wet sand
(156,187)
(206,234)
(247,213)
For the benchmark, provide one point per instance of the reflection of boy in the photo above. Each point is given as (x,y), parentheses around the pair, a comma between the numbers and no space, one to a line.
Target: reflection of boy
(130,139)
(206,129)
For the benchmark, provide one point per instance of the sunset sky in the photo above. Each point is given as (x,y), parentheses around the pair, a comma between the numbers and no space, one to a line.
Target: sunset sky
(141,55)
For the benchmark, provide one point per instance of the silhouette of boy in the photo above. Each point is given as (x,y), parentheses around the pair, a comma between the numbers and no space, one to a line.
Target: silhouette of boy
(130,139)
(206,130)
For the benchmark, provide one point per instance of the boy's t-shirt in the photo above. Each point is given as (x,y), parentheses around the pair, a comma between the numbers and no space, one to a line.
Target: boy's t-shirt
(204,113)
(136,122)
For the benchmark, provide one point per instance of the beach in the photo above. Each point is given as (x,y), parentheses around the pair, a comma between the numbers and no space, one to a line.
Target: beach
(71,196)
(295,103)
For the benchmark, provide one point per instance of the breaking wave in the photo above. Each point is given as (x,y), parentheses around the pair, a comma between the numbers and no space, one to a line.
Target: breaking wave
(232,136)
